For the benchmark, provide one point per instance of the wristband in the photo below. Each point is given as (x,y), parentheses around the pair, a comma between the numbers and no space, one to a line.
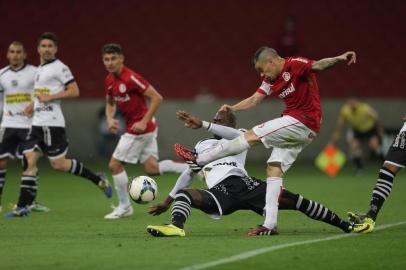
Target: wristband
(206,124)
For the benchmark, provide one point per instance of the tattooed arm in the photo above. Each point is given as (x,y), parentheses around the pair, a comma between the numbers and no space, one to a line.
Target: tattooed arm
(325,63)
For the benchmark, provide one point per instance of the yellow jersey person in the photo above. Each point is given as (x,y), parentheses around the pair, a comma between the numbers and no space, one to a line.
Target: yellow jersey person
(363,121)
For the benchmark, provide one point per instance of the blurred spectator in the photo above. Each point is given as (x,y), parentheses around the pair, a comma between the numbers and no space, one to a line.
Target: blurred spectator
(288,41)
(364,127)
(204,96)
(107,141)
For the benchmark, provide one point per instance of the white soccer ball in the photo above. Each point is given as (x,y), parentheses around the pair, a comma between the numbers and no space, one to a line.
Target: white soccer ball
(143,189)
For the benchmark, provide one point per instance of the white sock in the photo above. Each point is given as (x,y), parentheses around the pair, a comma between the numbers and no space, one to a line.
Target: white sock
(121,185)
(171,166)
(228,148)
(273,190)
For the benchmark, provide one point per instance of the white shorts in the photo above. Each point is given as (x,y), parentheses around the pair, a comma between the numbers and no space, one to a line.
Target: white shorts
(136,148)
(287,135)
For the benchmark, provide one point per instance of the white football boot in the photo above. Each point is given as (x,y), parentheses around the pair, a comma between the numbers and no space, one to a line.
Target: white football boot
(120,212)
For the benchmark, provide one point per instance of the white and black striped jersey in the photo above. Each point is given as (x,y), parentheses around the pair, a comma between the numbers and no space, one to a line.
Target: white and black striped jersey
(51,78)
(218,170)
(403,129)
(18,89)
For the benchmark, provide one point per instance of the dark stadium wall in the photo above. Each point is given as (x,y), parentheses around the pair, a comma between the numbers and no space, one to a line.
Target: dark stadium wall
(186,48)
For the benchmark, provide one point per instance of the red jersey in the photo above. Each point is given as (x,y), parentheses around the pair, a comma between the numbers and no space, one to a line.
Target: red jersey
(127,90)
(298,88)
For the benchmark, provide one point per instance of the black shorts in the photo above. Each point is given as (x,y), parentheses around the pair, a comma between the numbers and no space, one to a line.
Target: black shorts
(11,142)
(397,152)
(239,193)
(367,134)
(51,141)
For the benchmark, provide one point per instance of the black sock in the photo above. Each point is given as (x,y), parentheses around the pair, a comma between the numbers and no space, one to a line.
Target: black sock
(28,190)
(382,189)
(181,209)
(358,162)
(317,211)
(79,170)
(2,181)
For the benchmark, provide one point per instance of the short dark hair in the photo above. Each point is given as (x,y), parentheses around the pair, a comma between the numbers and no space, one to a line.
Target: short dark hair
(18,43)
(48,35)
(112,48)
(262,49)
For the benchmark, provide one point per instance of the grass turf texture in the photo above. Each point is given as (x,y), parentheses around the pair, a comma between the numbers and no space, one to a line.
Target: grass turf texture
(74,234)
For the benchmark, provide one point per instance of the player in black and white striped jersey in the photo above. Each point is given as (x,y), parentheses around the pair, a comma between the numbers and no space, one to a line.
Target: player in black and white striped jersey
(229,187)
(395,160)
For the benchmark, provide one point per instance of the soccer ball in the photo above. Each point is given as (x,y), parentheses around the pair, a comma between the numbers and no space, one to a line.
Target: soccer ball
(143,189)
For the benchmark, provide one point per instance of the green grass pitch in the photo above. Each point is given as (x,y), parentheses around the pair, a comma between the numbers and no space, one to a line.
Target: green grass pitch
(74,234)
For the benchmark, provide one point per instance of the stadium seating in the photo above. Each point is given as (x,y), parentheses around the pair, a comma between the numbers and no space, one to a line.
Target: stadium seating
(182,46)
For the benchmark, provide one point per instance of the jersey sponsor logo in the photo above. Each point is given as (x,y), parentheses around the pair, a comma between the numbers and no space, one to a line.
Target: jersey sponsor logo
(122,99)
(122,88)
(232,163)
(286,76)
(11,114)
(45,108)
(300,60)
(18,98)
(290,89)
(38,91)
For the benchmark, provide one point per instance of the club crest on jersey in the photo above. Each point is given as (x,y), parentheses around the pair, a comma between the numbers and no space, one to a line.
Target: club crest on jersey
(14,83)
(122,88)
(286,76)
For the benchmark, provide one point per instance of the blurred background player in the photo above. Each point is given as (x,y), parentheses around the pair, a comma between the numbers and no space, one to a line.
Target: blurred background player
(364,125)
(130,92)
(53,83)
(292,79)
(17,86)
(229,186)
(395,160)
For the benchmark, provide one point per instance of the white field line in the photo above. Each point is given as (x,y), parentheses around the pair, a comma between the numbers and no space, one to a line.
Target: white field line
(256,252)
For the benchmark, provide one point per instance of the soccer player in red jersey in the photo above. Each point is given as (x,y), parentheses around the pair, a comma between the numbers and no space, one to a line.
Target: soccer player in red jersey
(292,79)
(129,91)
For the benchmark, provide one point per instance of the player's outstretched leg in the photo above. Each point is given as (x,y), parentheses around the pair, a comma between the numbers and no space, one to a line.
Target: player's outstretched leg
(171,166)
(365,223)
(77,168)
(180,212)
(313,210)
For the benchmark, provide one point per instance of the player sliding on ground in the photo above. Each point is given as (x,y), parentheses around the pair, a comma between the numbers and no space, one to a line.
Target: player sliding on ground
(229,186)
(395,160)
(292,79)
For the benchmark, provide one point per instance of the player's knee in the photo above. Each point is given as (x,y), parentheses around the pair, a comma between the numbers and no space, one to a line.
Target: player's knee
(251,137)
(151,168)
(274,169)
(60,165)
(184,195)
(390,167)
(115,167)
(3,163)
